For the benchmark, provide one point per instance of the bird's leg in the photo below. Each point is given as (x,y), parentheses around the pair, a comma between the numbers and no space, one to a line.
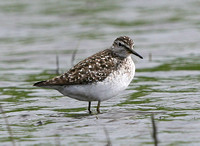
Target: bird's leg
(98,106)
(89,105)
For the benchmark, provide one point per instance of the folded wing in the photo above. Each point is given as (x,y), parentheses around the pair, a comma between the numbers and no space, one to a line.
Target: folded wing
(92,69)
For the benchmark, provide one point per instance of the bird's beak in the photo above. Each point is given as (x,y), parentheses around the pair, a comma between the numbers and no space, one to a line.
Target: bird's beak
(135,53)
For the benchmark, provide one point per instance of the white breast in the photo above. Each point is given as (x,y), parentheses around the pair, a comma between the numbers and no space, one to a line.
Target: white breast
(100,91)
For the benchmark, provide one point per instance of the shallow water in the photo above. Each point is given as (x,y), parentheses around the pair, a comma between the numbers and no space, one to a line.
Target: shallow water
(33,32)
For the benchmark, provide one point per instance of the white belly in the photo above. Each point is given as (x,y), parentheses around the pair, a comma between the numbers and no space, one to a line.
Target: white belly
(116,82)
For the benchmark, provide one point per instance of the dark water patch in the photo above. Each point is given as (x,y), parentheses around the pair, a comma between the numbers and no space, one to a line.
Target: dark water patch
(7,139)
(184,142)
(45,75)
(25,40)
(139,94)
(7,40)
(77,116)
(145,78)
(126,23)
(69,113)
(27,127)
(15,94)
(44,25)
(90,35)
(14,7)
(37,123)
(35,52)
(78,7)
(137,102)
(187,63)
(28,108)
(11,61)
(177,114)
(70,110)
(96,9)
(175,18)
(175,109)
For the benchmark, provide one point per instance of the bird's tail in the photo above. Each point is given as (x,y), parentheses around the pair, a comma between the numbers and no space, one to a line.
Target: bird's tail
(52,83)
(40,84)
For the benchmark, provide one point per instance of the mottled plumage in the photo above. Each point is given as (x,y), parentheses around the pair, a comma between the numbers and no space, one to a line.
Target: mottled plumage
(98,77)
(93,69)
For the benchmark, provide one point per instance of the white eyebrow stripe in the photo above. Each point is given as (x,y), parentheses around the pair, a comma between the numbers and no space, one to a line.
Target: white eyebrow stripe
(124,44)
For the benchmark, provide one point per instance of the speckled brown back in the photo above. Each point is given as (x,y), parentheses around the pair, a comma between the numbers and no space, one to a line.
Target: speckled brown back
(92,69)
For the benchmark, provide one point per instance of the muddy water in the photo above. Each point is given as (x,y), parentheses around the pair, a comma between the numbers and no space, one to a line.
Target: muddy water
(33,32)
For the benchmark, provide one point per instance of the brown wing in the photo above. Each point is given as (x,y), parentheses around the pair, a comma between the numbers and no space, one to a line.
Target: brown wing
(92,69)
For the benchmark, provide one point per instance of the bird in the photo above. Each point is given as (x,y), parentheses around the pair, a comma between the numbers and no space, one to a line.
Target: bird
(98,77)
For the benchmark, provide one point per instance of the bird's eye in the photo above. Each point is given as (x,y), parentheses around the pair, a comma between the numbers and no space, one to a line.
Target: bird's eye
(120,44)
